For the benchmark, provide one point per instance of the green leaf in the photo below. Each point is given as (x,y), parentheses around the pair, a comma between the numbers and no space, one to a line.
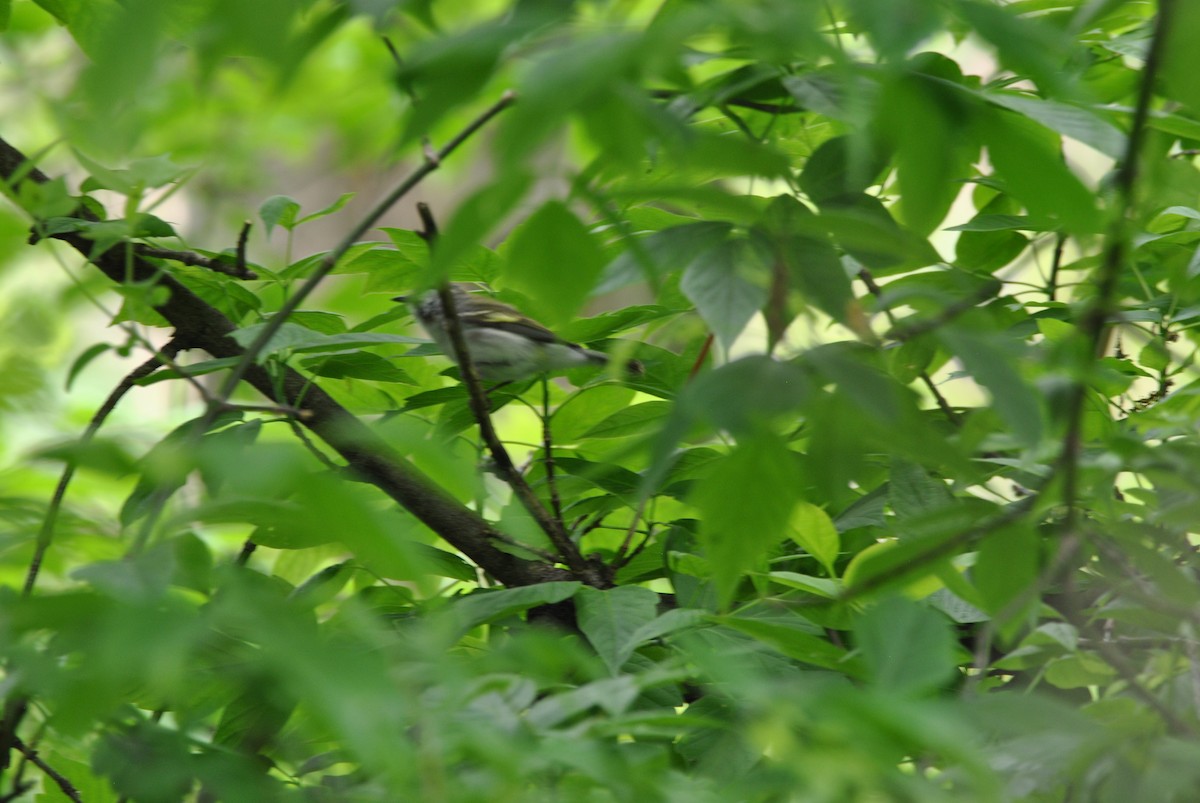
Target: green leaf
(1077,122)
(195,369)
(723,286)
(295,338)
(254,717)
(912,491)
(930,126)
(1029,47)
(480,214)
(895,26)
(796,642)
(1029,159)
(90,353)
(638,419)
(908,649)
(342,200)
(1007,567)
(991,359)
(811,259)
(482,607)
(1179,57)
(357,365)
(812,529)
(872,236)
(279,210)
(820,586)
(554,261)
(746,506)
(610,618)
(1078,671)
(1154,356)
(663,252)
(841,167)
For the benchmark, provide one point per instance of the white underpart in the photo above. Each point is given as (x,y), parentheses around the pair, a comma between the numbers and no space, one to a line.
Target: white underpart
(501,356)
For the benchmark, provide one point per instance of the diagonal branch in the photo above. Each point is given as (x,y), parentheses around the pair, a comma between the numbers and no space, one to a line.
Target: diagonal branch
(1093,325)
(201,326)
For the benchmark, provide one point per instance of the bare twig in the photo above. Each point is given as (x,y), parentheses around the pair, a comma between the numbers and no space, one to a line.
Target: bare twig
(1129,674)
(1093,324)
(243,240)
(759,106)
(874,289)
(698,363)
(907,331)
(368,456)
(480,409)
(548,451)
(1060,240)
(330,260)
(621,559)
(64,785)
(46,533)
(238,270)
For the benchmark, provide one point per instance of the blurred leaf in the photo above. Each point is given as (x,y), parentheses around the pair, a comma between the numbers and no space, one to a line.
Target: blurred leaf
(796,643)
(342,200)
(610,618)
(295,338)
(638,419)
(813,530)
(908,648)
(1029,158)
(482,607)
(357,365)
(723,286)
(538,251)
(991,362)
(746,504)
(279,210)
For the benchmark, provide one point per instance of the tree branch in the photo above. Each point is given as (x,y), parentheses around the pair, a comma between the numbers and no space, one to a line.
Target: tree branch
(1093,324)
(64,785)
(201,326)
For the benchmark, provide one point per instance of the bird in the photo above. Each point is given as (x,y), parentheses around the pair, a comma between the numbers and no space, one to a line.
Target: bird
(505,344)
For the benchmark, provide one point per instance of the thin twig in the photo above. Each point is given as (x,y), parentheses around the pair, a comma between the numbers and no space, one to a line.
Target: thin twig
(759,106)
(217,401)
(64,785)
(1093,323)
(330,260)
(1130,675)
(481,410)
(237,270)
(907,331)
(620,559)
(698,363)
(46,533)
(387,41)
(243,240)
(1060,241)
(875,290)
(548,451)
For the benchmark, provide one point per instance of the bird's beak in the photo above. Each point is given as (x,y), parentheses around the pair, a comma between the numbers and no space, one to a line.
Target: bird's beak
(401,299)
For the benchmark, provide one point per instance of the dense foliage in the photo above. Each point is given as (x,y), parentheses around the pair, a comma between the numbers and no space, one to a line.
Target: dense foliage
(900,508)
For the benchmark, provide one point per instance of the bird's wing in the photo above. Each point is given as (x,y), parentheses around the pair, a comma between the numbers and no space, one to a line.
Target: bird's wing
(498,315)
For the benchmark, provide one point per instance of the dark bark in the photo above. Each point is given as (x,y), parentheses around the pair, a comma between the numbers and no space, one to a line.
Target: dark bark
(198,325)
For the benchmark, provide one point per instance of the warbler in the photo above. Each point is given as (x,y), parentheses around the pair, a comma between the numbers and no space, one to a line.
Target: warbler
(505,345)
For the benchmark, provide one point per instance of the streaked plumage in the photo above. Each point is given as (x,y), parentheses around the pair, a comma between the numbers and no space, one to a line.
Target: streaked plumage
(505,345)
